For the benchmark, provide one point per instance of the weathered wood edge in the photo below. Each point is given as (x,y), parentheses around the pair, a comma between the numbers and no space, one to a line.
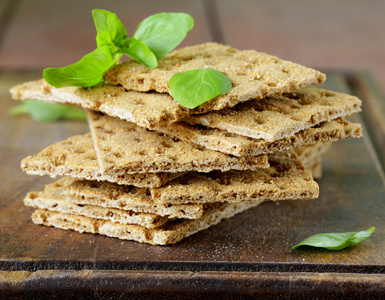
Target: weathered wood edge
(365,87)
(165,284)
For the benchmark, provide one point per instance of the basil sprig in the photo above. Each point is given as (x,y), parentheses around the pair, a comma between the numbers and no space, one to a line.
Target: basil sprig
(154,37)
(195,87)
(336,241)
(164,31)
(41,111)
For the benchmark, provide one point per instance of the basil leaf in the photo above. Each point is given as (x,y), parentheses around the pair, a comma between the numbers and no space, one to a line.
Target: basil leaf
(336,241)
(86,72)
(195,87)
(164,31)
(141,53)
(110,30)
(41,111)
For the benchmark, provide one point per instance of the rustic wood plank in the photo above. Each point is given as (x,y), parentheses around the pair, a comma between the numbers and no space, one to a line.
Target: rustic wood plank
(257,240)
(366,87)
(188,285)
(56,33)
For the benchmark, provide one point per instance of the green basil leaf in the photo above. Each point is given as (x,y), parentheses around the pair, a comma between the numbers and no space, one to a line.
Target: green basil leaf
(41,111)
(141,53)
(195,87)
(110,30)
(336,241)
(86,72)
(164,31)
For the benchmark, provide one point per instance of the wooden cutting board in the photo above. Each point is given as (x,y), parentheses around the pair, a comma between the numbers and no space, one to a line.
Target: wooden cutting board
(247,255)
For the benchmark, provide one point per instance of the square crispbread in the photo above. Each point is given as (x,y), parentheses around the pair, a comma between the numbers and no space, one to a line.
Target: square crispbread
(170,233)
(285,179)
(311,157)
(254,75)
(311,154)
(52,199)
(122,197)
(316,168)
(238,145)
(76,157)
(123,147)
(150,110)
(279,116)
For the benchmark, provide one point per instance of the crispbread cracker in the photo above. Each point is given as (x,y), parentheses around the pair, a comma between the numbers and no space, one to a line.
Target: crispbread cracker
(51,199)
(279,116)
(285,179)
(309,155)
(170,233)
(238,145)
(123,147)
(254,75)
(110,195)
(76,157)
(316,169)
(148,110)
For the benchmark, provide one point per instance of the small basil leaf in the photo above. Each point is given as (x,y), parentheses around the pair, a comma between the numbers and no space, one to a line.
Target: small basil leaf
(74,113)
(195,87)
(110,30)
(41,111)
(336,241)
(164,31)
(86,72)
(141,53)
(18,110)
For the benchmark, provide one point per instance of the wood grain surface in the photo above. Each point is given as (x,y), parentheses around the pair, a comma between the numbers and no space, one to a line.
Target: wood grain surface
(246,256)
(251,244)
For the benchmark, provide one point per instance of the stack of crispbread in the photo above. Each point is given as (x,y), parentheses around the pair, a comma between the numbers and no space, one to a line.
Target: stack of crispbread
(154,171)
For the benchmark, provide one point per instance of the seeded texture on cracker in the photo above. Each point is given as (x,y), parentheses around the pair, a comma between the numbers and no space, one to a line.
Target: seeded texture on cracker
(76,157)
(52,199)
(123,147)
(148,110)
(254,75)
(285,179)
(122,197)
(170,233)
(239,145)
(279,116)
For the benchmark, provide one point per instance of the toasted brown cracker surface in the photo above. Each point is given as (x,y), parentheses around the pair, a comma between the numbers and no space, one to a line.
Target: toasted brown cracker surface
(316,169)
(124,148)
(310,155)
(76,157)
(169,233)
(149,110)
(254,75)
(122,197)
(52,199)
(279,116)
(238,145)
(285,179)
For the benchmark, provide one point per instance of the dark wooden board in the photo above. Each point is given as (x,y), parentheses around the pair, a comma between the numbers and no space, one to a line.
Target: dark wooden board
(249,253)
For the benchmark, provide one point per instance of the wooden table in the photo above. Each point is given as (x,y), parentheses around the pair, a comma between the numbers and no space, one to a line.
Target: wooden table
(249,254)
